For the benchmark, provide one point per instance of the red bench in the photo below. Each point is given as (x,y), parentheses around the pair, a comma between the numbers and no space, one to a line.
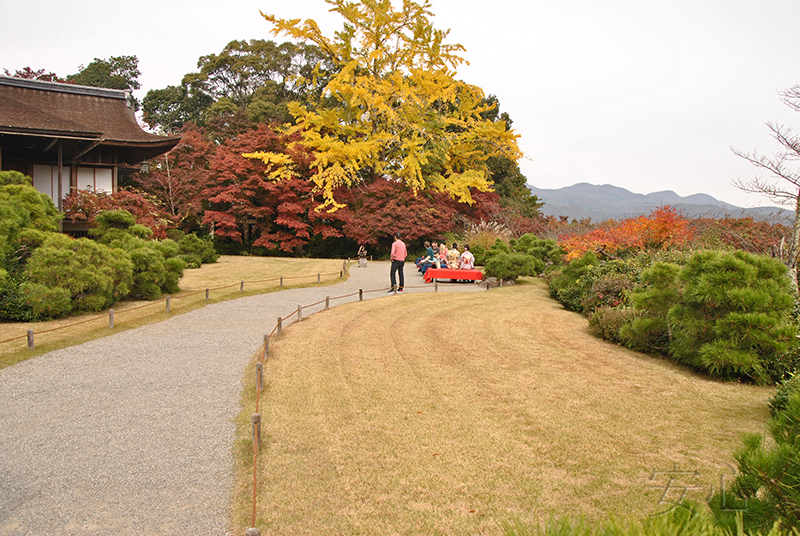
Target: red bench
(432,274)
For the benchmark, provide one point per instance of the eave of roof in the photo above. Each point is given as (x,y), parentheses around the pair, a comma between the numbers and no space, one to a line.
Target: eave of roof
(63,88)
(49,109)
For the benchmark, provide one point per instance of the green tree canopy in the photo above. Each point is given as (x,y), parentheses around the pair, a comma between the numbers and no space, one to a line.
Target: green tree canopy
(248,82)
(117,72)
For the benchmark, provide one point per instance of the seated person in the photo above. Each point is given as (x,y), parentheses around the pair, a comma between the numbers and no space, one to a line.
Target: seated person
(452,257)
(467,261)
(428,260)
(442,255)
(435,249)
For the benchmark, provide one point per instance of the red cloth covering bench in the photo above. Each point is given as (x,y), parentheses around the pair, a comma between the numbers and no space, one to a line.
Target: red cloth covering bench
(449,273)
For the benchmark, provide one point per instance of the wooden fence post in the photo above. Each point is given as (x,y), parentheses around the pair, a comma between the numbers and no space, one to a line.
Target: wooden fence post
(280,325)
(327,301)
(111,319)
(241,287)
(206,294)
(281,280)
(360,295)
(167,303)
(318,277)
(30,340)
(256,418)
(299,313)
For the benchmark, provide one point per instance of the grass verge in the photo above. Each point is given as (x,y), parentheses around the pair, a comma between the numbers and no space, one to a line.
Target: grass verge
(261,275)
(462,413)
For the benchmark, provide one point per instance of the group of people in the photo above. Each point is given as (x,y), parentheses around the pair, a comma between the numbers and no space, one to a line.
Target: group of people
(440,256)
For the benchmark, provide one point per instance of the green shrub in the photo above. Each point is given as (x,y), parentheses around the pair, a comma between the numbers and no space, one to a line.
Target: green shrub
(733,319)
(726,313)
(174,267)
(118,224)
(149,273)
(114,219)
(168,248)
(786,389)
(649,330)
(607,321)
(22,207)
(766,489)
(684,520)
(496,249)
(14,177)
(609,287)
(586,283)
(157,267)
(153,274)
(13,306)
(94,275)
(191,244)
(29,239)
(480,254)
(567,284)
(46,302)
(510,266)
(191,260)
(546,250)
(526,255)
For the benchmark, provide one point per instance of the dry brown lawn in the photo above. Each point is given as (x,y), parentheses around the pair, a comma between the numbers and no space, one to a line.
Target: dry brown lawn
(456,413)
(228,272)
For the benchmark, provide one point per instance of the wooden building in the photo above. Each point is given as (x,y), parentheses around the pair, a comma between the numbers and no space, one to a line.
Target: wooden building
(72,137)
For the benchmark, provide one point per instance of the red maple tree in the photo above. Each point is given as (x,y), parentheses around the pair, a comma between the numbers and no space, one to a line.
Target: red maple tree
(376,211)
(246,205)
(177,178)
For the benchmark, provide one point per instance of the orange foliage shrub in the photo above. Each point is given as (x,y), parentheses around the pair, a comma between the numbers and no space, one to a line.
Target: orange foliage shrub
(664,228)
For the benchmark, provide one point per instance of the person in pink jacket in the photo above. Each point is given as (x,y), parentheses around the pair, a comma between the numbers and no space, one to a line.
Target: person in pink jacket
(398,256)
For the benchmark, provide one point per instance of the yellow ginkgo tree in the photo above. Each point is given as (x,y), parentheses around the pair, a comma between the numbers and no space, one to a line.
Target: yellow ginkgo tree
(395,109)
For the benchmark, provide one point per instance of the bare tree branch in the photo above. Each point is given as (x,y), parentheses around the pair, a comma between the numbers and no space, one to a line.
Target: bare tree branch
(779,166)
(791,97)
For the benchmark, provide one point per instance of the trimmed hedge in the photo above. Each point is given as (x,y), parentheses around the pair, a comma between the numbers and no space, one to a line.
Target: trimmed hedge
(93,274)
(525,256)
(727,313)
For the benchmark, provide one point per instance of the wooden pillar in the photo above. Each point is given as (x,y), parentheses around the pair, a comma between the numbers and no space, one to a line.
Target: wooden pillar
(60,184)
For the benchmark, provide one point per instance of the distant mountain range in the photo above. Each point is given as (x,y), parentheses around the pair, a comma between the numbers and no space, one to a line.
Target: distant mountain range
(606,202)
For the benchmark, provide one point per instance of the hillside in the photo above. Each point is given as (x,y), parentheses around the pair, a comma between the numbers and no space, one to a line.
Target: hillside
(605,202)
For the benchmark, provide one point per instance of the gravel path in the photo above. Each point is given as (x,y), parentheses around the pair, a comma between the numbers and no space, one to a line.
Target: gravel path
(132,433)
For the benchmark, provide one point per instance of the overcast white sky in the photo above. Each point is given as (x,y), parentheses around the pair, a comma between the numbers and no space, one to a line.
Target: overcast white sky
(647,95)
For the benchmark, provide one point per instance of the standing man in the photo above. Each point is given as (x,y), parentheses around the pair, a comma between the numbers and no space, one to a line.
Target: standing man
(398,256)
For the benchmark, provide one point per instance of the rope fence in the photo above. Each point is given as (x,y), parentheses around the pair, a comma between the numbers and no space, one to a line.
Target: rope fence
(256,420)
(259,381)
(112,313)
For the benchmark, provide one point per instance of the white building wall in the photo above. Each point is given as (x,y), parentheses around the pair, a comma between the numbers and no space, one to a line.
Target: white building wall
(45,180)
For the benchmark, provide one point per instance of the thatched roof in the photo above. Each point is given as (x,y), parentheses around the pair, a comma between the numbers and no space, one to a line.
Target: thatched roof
(34,113)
